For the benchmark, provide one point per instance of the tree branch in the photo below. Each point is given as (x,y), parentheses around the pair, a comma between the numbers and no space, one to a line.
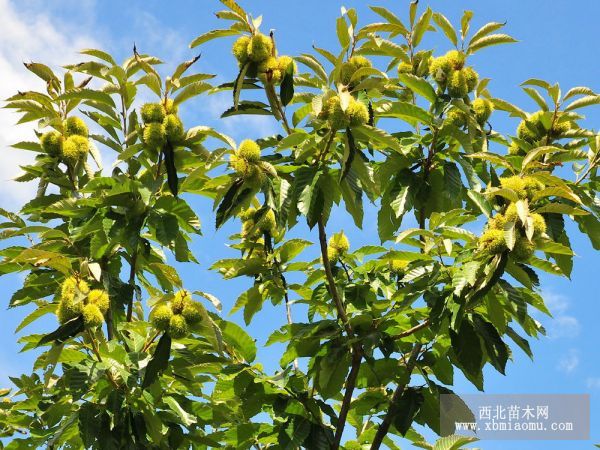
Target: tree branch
(356,348)
(384,428)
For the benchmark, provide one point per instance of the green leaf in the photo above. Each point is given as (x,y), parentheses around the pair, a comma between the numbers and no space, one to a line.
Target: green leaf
(467,349)
(582,102)
(419,85)
(159,361)
(172,179)
(343,35)
(286,90)
(487,41)
(213,35)
(61,334)
(186,418)
(390,17)
(238,83)
(446,27)
(482,203)
(238,339)
(465,23)
(407,408)
(421,26)
(453,442)
(292,248)
(191,90)
(88,94)
(99,54)
(405,111)
(248,107)
(591,227)
(333,368)
(496,349)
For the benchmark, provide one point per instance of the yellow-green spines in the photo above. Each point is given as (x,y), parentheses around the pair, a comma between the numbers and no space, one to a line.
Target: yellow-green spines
(420,63)
(492,242)
(539,224)
(357,112)
(561,127)
(398,265)
(75,148)
(267,223)
(173,128)
(247,214)
(471,76)
(180,300)
(239,165)
(515,183)
(178,327)
(240,49)
(497,222)
(99,298)
(154,135)
(269,71)
(457,84)
(249,150)
(161,317)
(68,309)
(350,67)
(456,117)
(170,106)
(72,286)
(284,62)
(405,67)
(532,186)
(192,313)
(260,47)
(332,254)
(515,149)
(440,68)
(483,110)
(511,214)
(52,142)
(153,113)
(525,131)
(455,59)
(75,126)
(336,115)
(523,249)
(340,242)
(92,316)
(248,226)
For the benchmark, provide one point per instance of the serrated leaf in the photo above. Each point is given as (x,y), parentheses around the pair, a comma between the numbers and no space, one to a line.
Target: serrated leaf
(487,41)
(159,361)
(212,35)
(446,27)
(419,85)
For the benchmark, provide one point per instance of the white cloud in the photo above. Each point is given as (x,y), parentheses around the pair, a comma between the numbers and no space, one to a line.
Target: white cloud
(593,383)
(562,325)
(27,36)
(569,361)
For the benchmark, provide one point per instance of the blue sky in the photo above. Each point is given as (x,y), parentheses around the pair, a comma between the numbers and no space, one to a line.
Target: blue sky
(558,42)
